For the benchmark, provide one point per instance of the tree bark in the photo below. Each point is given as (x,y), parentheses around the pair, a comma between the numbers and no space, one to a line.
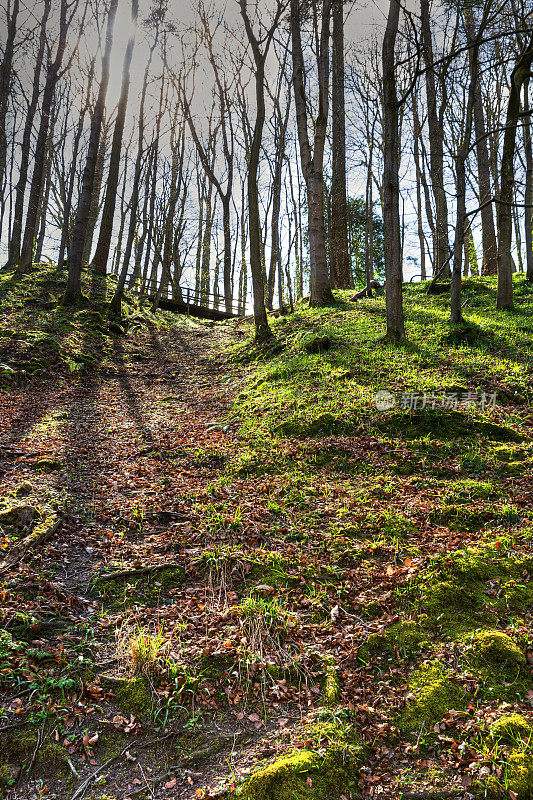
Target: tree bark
(16,231)
(519,75)
(75,262)
(101,256)
(391,183)
(52,76)
(262,328)
(116,303)
(65,232)
(5,81)
(313,161)
(339,252)
(528,194)
(488,232)
(436,149)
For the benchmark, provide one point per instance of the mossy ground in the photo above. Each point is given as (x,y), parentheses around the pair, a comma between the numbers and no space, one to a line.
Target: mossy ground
(367,572)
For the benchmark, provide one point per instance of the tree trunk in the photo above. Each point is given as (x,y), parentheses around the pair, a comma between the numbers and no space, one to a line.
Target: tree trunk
(436,149)
(101,255)
(16,231)
(65,232)
(116,302)
(488,233)
(313,162)
(340,257)
(5,82)
(391,183)
(262,328)
(75,262)
(528,194)
(52,76)
(94,208)
(519,75)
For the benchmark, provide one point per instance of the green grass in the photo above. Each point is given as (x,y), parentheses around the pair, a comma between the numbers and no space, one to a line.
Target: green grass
(297,393)
(39,335)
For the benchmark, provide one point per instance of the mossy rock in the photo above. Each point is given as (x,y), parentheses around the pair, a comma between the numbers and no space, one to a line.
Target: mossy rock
(445,425)
(17,748)
(402,636)
(446,596)
(466,490)
(518,596)
(17,515)
(47,465)
(148,588)
(511,728)
(496,648)
(519,775)
(506,453)
(473,564)
(326,423)
(23,489)
(215,665)
(320,774)
(331,684)
(132,694)
(434,694)
(517,467)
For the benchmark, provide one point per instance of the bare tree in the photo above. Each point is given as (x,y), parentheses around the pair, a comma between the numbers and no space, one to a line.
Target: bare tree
(519,75)
(341,270)
(66,16)
(16,230)
(75,261)
(391,186)
(313,160)
(101,256)
(260,48)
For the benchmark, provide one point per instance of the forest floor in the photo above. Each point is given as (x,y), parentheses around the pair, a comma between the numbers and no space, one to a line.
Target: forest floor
(221,561)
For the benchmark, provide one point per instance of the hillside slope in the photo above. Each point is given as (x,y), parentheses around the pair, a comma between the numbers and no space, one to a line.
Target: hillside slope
(260,582)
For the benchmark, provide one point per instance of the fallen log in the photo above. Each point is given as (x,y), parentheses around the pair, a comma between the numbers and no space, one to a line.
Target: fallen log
(40,534)
(138,572)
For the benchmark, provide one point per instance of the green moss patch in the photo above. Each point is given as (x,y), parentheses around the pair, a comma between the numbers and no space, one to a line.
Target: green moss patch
(310,774)
(402,637)
(519,775)
(461,518)
(510,728)
(434,694)
(495,647)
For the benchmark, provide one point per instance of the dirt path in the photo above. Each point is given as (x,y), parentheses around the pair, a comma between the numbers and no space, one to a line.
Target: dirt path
(124,454)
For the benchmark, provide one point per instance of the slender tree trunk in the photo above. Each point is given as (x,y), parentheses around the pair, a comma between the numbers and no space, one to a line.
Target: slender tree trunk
(519,74)
(369,229)
(94,208)
(436,148)
(456,314)
(340,257)
(116,303)
(313,162)
(43,204)
(275,255)
(488,233)
(101,255)
(391,183)
(262,328)
(16,231)
(5,83)
(528,194)
(65,231)
(79,233)
(52,76)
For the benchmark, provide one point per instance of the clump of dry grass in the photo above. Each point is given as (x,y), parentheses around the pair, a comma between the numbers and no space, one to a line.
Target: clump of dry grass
(142,650)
